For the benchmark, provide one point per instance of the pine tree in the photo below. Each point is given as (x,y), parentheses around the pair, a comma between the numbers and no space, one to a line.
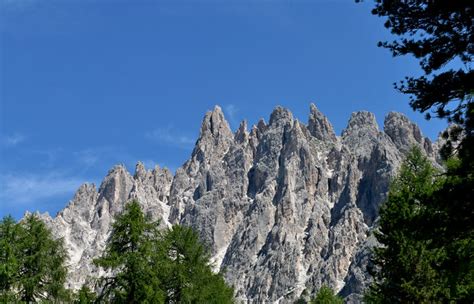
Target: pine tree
(439,34)
(129,257)
(406,261)
(84,295)
(41,272)
(451,228)
(186,270)
(326,295)
(148,267)
(9,264)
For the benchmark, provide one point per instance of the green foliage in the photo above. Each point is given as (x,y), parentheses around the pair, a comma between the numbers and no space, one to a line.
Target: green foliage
(326,295)
(150,267)
(31,262)
(9,264)
(437,33)
(42,273)
(405,261)
(85,295)
(129,255)
(440,240)
(421,259)
(187,275)
(451,228)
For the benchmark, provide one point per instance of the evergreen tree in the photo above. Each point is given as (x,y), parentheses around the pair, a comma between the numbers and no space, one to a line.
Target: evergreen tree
(41,273)
(326,295)
(148,267)
(9,264)
(406,264)
(186,270)
(129,257)
(85,295)
(439,33)
(450,226)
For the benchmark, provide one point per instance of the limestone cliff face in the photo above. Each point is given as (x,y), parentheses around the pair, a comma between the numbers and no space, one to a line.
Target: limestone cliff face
(285,207)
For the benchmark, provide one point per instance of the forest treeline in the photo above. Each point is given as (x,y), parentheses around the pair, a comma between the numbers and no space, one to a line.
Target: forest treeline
(142,264)
(426,228)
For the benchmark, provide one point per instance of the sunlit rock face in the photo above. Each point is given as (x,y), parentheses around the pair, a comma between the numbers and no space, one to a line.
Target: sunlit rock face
(284,207)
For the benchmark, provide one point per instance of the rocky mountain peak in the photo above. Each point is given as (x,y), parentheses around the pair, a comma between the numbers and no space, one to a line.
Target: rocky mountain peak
(140,171)
(215,135)
(283,208)
(261,125)
(115,187)
(405,134)
(362,134)
(319,126)
(84,189)
(361,120)
(241,135)
(280,117)
(215,125)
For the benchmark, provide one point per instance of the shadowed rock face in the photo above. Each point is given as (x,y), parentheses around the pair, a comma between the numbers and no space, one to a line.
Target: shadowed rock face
(284,207)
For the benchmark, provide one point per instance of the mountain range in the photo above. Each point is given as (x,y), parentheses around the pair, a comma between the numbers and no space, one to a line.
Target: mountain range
(284,207)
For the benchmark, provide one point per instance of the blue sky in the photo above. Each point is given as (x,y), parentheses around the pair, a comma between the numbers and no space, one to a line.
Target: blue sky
(88,84)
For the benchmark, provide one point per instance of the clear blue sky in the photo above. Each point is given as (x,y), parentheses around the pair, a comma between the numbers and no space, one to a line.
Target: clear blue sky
(85,85)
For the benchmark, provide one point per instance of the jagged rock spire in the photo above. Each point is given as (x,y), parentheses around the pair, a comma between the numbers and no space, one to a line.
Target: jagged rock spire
(242,134)
(404,133)
(319,126)
(140,171)
(280,116)
(116,187)
(215,135)
(215,125)
(361,120)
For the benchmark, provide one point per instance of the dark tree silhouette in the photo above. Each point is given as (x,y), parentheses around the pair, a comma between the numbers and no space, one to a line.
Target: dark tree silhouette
(439,33)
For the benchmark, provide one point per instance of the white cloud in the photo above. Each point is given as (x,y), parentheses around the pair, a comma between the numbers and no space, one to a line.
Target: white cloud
(169,136)
(26,189)
(231,112)
(13,139)
(88,157)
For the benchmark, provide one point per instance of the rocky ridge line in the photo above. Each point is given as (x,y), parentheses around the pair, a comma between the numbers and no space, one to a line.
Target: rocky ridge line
(284,207)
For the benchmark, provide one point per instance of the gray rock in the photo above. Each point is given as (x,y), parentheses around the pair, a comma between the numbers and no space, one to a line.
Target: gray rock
(319,126)
(285,207)
(405,134)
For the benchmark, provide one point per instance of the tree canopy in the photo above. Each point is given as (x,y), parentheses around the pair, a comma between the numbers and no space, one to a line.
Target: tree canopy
(9,255)
(406,258)
(32,262)
(149,266)
(186,269)
(85,295)
(129,258)
(425,257)
(326,295)
(438,33)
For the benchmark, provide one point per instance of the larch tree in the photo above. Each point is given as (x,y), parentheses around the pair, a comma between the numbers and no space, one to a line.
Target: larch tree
(187,272)
(129,257)
(41,270)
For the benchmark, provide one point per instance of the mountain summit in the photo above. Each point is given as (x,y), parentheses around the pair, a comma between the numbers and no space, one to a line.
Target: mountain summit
(284,207)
